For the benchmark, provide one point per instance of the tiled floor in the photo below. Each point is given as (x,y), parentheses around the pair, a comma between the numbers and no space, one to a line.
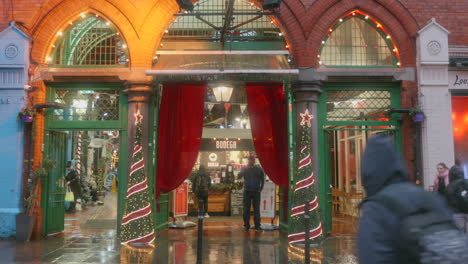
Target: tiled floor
(223,242)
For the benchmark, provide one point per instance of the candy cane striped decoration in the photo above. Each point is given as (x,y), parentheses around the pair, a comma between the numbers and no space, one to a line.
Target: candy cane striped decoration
(78,153)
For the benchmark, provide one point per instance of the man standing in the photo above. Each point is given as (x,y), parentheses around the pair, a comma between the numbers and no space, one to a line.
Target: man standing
(201,184)
(254,179)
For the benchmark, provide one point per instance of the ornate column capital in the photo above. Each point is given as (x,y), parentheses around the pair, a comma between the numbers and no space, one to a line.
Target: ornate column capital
(138,91)
(306,91)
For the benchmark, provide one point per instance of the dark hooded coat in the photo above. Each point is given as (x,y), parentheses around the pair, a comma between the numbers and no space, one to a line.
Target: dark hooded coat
(457,180)
(383,172)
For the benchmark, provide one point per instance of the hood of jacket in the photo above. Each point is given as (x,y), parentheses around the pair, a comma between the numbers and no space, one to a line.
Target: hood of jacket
(456,173)
(381,165)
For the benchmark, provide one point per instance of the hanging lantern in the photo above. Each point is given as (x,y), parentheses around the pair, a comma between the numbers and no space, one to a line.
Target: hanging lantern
(226,107)
(210,106)
(243,107)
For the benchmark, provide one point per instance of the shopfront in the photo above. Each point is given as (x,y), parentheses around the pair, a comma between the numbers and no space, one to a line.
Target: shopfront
(458,83)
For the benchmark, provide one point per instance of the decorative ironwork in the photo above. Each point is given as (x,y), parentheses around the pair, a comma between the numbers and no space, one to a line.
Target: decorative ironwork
(224,21)
(358,105)
(87,105)
(357,40)
(90,41)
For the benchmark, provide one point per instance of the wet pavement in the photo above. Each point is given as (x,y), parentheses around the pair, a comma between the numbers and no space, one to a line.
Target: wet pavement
(176,246)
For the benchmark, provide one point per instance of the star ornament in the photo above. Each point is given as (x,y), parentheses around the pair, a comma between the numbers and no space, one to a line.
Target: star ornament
(306,118)
(138,117)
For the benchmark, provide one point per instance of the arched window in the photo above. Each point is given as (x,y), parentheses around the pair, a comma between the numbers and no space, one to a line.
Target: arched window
(358,41)
(91,40)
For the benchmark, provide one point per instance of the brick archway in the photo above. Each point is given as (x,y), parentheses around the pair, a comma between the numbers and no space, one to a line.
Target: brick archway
(142,31)
(308,26)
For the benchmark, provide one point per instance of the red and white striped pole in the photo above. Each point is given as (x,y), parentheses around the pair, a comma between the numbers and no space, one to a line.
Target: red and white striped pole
(78,154)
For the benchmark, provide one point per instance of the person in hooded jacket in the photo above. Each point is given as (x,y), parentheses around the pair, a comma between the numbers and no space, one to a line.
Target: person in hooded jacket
(457,179)
(383,172)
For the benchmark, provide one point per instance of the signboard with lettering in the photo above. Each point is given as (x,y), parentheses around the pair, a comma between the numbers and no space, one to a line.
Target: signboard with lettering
(209,144)
(181,200)
(458,79)
(268,200)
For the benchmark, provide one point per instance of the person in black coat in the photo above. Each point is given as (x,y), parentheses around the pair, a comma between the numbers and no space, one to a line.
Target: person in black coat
(73,180)
(383,172)
(254,179)
(457,181)
(201,184)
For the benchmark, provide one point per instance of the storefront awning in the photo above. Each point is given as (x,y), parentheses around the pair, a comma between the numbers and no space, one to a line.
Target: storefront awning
(209,65)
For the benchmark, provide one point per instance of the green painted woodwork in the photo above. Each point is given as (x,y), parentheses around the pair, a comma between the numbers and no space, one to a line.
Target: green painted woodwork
(284,223)
(65,125)
(325,126)
(54,185)
(161,216)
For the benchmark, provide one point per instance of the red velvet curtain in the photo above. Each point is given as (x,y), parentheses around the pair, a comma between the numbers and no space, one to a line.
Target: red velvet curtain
(267,109)
(180,132)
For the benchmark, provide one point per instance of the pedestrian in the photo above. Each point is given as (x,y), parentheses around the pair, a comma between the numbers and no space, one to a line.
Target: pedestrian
(73,181)
(201,185)
(254,179)
(457,196)
(400,222)
(441,180)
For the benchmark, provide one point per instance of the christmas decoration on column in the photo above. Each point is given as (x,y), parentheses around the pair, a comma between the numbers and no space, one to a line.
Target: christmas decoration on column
(137,219)
(304,190)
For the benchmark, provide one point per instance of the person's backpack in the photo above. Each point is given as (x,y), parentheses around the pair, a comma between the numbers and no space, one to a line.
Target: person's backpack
(427,234)
(457,195)
(202,183)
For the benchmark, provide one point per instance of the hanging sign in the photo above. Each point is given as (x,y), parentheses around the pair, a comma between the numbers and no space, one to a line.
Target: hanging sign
(181,200)
(268,200)
(226,144)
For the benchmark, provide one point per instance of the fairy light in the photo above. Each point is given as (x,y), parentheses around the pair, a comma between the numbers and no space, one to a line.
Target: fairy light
(395,50)
(107,23)
(341,20)
(330,30)
(166,31)
(378,25)
(388,37)
(60,33)
(366,17)
(280,34)
(398,64)
(323,41)
(287,46)
(83,15)
(124,46)
(71,23)
(49,59)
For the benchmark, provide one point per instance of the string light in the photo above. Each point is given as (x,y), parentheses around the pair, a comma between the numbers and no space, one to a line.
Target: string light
(341,20)
(83,15)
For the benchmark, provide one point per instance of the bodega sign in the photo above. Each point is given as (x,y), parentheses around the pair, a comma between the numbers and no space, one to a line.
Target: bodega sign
(458,79)
(226,144)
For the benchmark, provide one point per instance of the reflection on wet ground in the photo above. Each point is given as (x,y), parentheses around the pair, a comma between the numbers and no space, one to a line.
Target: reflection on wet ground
(221,244)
